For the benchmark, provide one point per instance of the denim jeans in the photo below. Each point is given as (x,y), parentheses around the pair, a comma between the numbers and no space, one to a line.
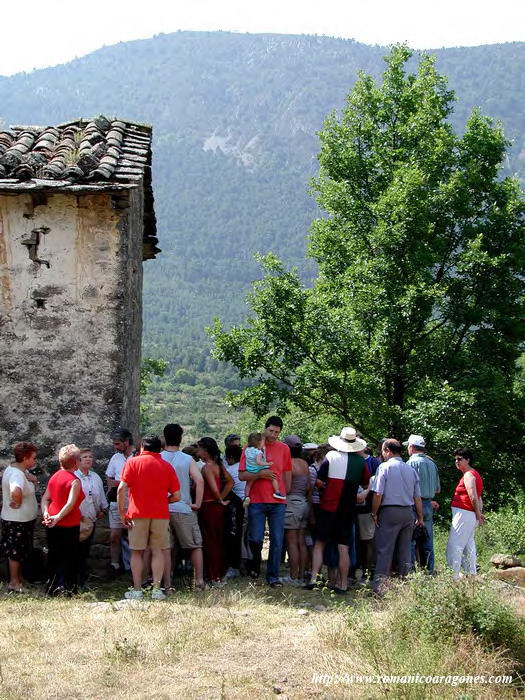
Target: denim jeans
(426,546)
(258,513)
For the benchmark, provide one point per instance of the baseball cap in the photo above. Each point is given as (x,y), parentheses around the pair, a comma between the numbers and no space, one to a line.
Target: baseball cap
(415,441)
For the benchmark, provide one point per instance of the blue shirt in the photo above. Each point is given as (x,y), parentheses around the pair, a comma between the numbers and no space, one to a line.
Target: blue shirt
(397,482)
(428,474)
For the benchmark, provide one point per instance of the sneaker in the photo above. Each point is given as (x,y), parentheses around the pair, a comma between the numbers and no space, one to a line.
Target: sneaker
(217,584)
(276,584)
(158,594)
(246,502)
(232,573)
(133,594)
(279,496)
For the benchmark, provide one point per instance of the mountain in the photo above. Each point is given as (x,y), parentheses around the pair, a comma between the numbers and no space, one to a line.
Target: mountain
(235,118)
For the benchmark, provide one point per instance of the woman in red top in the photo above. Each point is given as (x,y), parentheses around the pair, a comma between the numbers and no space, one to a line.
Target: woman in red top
(217,485)
(467,507)
(61,511)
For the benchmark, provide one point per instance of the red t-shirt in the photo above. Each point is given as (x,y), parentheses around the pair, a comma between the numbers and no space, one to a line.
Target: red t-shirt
(150,479)
(261,490)
(461,499)
(59,487)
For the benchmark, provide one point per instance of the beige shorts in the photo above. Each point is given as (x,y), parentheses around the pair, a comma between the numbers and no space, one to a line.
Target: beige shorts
(367,527)
(185,530)
(149,532)
(297,510)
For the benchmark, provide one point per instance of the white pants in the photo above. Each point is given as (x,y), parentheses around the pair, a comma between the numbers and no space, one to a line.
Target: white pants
(461,547)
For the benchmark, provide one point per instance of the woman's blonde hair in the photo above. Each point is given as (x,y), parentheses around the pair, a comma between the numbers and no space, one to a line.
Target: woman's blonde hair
(68,455)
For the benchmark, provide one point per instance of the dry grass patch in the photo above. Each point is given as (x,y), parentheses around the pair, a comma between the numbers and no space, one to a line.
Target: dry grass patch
(218,645)
(235,643)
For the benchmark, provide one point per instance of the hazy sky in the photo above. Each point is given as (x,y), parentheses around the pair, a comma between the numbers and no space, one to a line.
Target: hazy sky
(36,34)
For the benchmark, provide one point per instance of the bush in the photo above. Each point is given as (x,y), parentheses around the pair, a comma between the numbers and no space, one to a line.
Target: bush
(443,610)
(504,532)
(431,626)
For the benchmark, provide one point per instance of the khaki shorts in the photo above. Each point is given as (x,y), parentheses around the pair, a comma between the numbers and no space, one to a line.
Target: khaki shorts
(297,510)
(185,530)
(149,532)
(367,527)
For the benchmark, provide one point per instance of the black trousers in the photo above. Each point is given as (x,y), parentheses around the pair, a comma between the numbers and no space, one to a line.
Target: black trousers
(63,549)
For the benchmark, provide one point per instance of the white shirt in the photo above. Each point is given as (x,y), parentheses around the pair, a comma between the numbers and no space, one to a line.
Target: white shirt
(238,485)
(13,477)
(95,498)
(116,465)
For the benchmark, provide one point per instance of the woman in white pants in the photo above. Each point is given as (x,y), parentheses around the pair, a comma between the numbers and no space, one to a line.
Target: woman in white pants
(467,508)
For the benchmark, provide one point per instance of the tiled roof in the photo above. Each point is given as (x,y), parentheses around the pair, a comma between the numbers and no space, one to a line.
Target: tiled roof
(99,150)
(81,156)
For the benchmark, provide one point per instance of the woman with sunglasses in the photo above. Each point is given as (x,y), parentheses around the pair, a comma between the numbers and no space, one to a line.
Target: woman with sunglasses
(467,507)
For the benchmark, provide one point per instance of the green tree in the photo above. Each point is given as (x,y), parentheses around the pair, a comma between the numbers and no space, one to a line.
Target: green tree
(416,317)
(149,369)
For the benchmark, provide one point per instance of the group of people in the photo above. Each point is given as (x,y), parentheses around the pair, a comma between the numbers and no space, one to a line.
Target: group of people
(336,506)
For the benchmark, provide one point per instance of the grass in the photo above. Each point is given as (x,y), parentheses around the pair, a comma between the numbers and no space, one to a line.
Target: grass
(248,641)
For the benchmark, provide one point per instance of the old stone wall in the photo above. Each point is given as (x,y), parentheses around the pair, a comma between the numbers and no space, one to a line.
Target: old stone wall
(70,320)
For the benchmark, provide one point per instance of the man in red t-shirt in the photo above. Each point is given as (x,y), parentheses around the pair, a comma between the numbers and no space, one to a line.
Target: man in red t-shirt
(152,484)
(263,506)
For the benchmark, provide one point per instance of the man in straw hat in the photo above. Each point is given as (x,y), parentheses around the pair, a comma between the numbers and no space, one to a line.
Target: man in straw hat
(342,472)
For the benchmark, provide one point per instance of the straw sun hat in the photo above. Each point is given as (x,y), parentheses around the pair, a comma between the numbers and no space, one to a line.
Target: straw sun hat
(347,441)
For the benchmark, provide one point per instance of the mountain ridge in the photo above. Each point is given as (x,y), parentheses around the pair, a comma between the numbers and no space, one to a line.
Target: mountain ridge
(235,117)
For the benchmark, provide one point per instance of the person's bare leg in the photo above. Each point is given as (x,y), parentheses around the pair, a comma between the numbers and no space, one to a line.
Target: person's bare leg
(137,566)
(114,545)
(317,558)
(344,566)
(293,552)
(275,486)
(15,574)
(157,566)
(198,566)
(146,565)
(303,553)
(166,578)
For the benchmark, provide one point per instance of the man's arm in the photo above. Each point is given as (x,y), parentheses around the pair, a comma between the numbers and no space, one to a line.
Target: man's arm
(419,510)
(376,504)
(250,476)
(122,492)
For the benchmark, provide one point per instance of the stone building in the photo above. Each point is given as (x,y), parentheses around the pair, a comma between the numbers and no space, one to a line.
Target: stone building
(76,222)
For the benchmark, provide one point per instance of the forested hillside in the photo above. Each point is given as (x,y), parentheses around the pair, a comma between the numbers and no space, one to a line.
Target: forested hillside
(235,119)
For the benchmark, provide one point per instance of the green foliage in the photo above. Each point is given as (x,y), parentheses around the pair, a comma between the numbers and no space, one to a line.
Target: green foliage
(504,532)
(415,321)
(149,369)
(444,611)
(433,626)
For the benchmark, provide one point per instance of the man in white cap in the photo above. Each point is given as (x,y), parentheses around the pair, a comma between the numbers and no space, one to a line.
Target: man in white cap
(342,472)
(429,486)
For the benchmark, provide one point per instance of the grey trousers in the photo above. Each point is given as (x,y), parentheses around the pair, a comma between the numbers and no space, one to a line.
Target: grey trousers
(394,532)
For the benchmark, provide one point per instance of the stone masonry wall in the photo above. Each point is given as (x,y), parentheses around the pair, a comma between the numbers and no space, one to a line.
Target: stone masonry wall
(70,326)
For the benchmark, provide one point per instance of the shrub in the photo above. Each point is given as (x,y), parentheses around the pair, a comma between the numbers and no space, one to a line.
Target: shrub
(504,532)
(445,610)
